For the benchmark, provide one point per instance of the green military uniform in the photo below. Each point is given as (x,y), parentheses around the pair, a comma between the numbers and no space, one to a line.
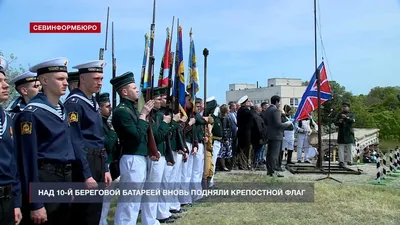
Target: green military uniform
(345,140)
(217,128)
(346,131)
(159,127)
(110,136)
(200,123)
(131,130)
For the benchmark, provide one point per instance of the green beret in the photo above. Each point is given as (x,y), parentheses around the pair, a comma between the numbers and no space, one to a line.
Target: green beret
(346,104)
(73,77)
(124,79)
(103,98)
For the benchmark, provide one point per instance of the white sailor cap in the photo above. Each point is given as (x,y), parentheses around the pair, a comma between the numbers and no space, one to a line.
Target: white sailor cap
(23,78)
(243,99)
(210,99)
(3,65)
(50,66)
(91,67)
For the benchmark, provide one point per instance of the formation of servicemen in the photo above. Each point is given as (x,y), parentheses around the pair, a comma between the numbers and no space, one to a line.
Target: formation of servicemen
(46,140)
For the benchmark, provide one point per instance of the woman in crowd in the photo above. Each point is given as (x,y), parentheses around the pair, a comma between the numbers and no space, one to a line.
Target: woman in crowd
(225,153)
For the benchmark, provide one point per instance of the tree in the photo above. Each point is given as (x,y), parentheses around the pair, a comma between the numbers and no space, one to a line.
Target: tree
(340,95)
(12,71)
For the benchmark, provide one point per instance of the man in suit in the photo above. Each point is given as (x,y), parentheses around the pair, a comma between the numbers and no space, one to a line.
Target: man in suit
(233,119)
(274,135)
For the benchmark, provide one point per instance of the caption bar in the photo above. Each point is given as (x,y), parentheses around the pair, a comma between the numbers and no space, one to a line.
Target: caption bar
(65,27)
(128,192)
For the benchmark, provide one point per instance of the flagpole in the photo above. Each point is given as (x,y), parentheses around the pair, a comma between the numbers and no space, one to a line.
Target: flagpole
(317,73)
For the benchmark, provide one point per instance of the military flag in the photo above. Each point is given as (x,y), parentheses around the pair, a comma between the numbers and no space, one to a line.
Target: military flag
(164,71)
(309,101)
(144,75)
(193,86)
(180,79)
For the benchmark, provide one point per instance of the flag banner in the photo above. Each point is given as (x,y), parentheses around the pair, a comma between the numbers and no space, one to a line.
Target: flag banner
(164,70)
(193,86)
(144,75)
(180,80)
(309,101)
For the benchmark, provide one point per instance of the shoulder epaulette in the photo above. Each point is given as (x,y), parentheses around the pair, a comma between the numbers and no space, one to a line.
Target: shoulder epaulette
(72,100)
(30,108)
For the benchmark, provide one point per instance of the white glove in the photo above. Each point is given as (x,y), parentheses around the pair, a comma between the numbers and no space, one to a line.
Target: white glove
(301,130)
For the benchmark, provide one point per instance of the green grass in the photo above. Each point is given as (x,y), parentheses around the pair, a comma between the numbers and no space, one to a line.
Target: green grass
(348,203)
(388,144)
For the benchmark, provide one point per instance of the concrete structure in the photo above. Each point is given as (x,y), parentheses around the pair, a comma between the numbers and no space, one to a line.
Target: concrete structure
(289,89)
(364,138)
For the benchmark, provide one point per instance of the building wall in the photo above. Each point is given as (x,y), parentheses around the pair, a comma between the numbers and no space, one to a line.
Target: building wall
(290,94)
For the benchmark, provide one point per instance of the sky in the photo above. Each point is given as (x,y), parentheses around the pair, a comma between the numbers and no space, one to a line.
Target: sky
(247,42)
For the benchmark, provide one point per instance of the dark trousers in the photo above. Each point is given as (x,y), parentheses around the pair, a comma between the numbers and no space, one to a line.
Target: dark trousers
(257,148)
(274,147)
(57,213)
(6,206)
(234,146)
(89,213)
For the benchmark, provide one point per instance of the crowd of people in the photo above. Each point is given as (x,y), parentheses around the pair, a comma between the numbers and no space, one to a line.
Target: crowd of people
(264,134)
(45,140)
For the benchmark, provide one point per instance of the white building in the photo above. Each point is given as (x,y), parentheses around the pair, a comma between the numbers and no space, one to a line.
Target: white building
(290,90)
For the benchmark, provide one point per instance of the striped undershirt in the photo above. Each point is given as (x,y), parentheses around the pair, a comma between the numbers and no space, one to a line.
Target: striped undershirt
(59,111)
(1,126)
(91,102)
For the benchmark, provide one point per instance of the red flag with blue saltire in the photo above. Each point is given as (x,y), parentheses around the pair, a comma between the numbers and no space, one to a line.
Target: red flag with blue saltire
(164,71)
(309,101)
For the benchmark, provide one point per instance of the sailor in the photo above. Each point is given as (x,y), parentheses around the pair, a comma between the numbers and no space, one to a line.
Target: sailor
(44,143)
(244,124)
(160,127)
(111,145)
(87,134)
(10,186)
(131,127)
(73,80)
(27,86)
(163,206)
(304,129)
(192,143)
(213,111)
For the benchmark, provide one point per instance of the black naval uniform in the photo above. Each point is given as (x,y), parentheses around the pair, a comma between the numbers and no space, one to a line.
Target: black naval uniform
(10,186)
(45,154)
(88,139)
(15,107)
(245,124)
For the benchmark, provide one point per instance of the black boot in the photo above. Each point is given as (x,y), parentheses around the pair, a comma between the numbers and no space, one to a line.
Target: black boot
(289,157)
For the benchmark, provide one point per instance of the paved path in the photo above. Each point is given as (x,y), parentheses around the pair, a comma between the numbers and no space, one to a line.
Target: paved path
(367,176)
